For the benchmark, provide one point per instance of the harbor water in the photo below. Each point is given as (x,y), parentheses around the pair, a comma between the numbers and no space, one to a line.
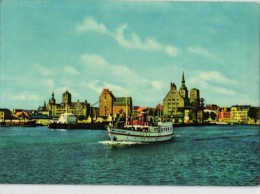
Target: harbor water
(207,155)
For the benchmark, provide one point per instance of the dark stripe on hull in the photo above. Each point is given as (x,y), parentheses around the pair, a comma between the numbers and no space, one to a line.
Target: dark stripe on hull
(141,135)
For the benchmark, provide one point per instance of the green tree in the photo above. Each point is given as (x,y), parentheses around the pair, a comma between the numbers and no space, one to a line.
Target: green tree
(206,116)
(213,116)
(151,112)
(252,113)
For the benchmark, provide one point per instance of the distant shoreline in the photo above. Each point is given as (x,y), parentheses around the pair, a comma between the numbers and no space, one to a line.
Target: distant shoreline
(209,124)
(102,126)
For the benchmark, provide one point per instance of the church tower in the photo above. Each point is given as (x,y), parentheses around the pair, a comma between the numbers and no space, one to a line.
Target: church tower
(183,89)
(194,96)
(52,100)
(66,97)
(52,105)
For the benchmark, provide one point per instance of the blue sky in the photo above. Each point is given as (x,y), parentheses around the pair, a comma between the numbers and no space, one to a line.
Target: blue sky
(131,48)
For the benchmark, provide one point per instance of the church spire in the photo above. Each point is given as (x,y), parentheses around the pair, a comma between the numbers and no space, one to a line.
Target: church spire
(183,79)
(183,89)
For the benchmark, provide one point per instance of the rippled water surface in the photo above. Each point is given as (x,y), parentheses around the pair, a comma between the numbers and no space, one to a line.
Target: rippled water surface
(213,155)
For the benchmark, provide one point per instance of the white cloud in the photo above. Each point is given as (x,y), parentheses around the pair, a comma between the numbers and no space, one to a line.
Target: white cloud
(217,77)
(25,97)
(115,88)
(119,37)
(101,67)
(90,24)
(158,85)
(93,85)
(94,61)
(42,69)
(119,73)
(103,70)
(220,90)
(97,86)
(131,42)
(203,52)
(213,82)
(71,70)
(152,44)
(49,83)
(170,50)
(123,71)
(134,42)
(121,79)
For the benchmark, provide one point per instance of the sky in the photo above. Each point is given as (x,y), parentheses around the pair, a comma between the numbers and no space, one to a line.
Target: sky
(132,48)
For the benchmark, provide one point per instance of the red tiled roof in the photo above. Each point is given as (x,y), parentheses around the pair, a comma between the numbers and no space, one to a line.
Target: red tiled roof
(22,113)
(140,109)
(18,114)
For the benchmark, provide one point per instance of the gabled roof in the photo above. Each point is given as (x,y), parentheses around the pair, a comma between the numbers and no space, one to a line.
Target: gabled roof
(22,113)
(171,91)
(140,109)
(108,91)
(120,101)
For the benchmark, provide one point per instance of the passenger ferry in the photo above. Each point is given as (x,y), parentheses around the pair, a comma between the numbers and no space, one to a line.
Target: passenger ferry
(160,131)
(141,130)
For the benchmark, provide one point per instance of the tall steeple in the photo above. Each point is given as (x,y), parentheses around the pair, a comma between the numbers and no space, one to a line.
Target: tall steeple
(183,79)
(183,89)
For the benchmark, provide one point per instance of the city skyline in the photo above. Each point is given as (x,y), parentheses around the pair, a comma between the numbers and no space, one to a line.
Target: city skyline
(132,48)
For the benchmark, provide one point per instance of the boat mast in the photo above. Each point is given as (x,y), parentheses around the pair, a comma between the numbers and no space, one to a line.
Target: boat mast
(126,111)
(159,106)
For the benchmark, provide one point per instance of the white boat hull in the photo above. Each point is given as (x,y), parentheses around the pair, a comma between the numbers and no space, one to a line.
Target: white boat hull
(221,123)
(141,134)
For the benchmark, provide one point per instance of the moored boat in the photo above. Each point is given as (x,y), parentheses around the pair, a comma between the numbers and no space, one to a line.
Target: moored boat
(69,121)
(31,123)
(221,123)
(66,118)
(2,123)
(83,126)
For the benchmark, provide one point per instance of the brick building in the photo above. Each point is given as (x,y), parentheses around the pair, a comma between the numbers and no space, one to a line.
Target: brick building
(224,115)
(111,105)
